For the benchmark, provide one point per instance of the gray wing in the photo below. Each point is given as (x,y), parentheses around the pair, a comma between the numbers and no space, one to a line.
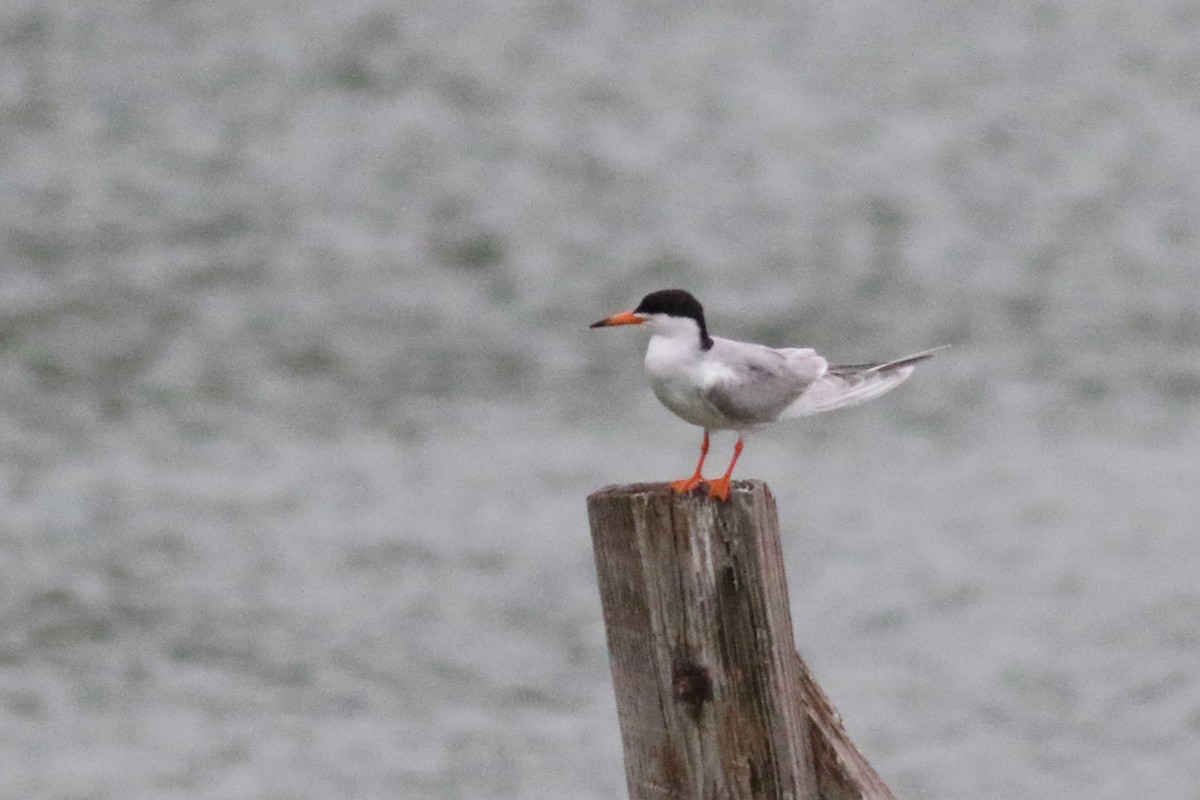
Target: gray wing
(846,385)
(757,382)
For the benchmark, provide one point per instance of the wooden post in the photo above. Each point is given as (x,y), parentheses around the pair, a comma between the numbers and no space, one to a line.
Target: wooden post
(713,700)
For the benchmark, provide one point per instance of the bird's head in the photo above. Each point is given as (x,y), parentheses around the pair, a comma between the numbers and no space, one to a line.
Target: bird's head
(673,313)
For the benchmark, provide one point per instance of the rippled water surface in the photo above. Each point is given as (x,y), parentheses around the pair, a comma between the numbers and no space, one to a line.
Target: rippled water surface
(298,406)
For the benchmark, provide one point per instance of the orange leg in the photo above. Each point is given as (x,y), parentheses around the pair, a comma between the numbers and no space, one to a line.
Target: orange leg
(720,487)
(687,484)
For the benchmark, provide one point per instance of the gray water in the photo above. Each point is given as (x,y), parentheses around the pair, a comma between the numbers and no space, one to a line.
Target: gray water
(298,407)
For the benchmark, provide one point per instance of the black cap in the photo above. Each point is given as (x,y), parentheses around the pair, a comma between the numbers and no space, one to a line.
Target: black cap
(676,303)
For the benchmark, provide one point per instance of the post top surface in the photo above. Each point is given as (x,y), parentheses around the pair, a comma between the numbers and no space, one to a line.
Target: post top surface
(634,489)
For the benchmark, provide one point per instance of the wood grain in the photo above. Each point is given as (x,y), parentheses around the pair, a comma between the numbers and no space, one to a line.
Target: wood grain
(713,701)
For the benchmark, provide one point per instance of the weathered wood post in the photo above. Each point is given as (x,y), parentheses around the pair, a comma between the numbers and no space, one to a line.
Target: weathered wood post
(714,702)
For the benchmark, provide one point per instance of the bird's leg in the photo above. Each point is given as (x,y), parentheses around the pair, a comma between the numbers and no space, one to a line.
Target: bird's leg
(687,484)
(720,487)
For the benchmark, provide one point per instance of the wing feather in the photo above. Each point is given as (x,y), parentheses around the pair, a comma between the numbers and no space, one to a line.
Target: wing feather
(759,383)
(848,385)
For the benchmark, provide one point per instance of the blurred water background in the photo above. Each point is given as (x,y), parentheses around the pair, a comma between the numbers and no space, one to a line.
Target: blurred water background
(298,406)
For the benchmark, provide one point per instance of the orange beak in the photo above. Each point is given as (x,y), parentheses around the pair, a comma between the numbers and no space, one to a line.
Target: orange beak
(624,318)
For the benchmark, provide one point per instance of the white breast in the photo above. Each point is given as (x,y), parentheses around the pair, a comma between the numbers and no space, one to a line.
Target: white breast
(680,374)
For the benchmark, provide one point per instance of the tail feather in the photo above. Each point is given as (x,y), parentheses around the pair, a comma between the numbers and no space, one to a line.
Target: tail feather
(884,366)
(848,385)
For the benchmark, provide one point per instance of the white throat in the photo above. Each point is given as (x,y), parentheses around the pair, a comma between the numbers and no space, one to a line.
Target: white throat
(683,329)
(679,370)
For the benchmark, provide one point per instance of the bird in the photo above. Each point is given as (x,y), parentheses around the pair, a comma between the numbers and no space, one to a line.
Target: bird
(722,384)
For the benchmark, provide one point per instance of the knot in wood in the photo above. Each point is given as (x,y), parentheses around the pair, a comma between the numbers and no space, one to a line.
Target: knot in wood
(692,684)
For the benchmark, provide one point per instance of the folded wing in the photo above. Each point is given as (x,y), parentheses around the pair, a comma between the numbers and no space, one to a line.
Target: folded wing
(758,383)
(848,385)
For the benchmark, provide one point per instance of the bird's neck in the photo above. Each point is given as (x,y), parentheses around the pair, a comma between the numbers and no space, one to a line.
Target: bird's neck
(669,353)
(686,330)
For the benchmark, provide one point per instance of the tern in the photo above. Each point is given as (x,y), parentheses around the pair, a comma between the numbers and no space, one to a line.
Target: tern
(721,384)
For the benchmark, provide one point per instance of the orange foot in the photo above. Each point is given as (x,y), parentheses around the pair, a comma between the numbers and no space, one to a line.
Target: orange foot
(719,488)
(685,485)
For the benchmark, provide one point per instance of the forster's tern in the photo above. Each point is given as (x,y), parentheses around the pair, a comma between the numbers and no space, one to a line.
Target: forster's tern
(720,384)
